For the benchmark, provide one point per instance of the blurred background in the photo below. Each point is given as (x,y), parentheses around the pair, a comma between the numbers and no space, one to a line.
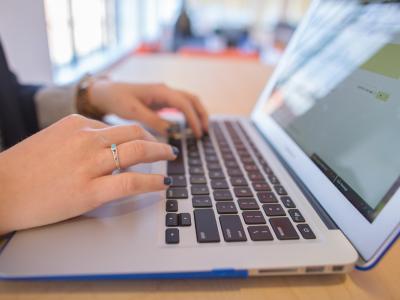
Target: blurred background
(58,41)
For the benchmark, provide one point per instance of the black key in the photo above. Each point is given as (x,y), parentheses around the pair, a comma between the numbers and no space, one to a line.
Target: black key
(218,184)
(175,167)
(171,206)
(248,204)
(306,231)
(201,201)
(267,170)
(242,152)
(256,176)
(267,197)
(216,174)
(261,186)
(253,217)
(209,151)
(238,181)
(283,229)
(190,141)
(247,160)
(198,179)
(235,172)
(273,210)
(226,207)
(174,128)
(243,192)
(231,164)
(195,162)
(232,228)
(260,233)
(222,195)
(184,219)
(176,142)
(212,158)
(273,179)
(194,154)
(199,190)
(225,150)
(192,148)
(261,160)
(206,226)
(296,215)
(205,138)
(251,168)
(171,219)
(177,193)
(196,171)
(280,190)
(178,181)
(172,236)
(228,156)
(213,166)
(287,201)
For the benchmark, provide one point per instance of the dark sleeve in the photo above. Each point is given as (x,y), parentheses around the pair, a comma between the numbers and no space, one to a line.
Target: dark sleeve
(26,102)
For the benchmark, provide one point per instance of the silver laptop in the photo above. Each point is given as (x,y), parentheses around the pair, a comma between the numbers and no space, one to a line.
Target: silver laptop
(308,185)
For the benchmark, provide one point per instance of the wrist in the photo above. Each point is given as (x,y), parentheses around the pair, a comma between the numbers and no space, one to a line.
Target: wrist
(86,99)
(96,88)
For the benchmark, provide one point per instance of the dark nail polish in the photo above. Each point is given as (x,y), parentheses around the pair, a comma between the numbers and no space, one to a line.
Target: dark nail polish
(167,180)
(175,150)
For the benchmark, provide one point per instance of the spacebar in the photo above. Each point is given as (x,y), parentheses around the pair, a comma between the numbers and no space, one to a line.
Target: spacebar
(206,226)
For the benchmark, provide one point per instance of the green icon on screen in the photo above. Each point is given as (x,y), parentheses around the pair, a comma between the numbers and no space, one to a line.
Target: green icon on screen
(382,96)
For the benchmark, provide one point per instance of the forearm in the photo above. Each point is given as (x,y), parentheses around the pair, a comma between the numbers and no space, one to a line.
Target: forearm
(54,103)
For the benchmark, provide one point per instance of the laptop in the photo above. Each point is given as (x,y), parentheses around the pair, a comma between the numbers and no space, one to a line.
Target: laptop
(308,184)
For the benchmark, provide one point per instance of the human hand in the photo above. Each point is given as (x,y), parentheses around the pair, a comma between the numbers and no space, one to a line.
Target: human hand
(141,101)
(65,170)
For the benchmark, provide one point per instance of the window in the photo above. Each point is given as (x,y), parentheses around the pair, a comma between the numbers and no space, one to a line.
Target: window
(85,36)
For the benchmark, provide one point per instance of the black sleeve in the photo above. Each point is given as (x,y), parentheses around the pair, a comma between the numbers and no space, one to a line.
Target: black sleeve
(26,98)
(26,101)
(18,118)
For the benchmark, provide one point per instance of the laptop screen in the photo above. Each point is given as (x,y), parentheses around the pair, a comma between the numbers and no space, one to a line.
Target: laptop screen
(338,98)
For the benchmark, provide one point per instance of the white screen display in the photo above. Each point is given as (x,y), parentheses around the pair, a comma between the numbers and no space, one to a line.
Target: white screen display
(338,98)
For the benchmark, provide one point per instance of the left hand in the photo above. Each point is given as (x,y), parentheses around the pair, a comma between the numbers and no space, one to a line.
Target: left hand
(142,101)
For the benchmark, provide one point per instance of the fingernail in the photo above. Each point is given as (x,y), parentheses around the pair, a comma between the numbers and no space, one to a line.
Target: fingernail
(175,150)
(167,180)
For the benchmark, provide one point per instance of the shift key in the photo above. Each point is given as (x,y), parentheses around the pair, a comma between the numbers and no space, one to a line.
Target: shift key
(206,226)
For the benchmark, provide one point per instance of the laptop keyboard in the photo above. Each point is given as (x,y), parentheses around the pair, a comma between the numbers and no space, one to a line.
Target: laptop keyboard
(232,189)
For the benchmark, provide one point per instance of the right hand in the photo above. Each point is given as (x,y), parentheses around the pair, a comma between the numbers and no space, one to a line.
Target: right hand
(65,170)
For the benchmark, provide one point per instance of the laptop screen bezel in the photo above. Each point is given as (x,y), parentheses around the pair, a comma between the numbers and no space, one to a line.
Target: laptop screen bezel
(368,238)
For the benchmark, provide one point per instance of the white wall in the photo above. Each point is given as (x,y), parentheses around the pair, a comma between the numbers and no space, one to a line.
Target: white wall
(23,35)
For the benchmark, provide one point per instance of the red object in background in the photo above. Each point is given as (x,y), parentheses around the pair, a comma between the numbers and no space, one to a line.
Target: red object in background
(148,48)
(232,53)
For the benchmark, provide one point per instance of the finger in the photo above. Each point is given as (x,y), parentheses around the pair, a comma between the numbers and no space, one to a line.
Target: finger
(135,152)
(150,118)
(175,99)
(199,107)
(111,187)
(125,133)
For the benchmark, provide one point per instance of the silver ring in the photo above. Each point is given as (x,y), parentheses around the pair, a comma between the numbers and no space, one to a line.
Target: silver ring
(114,151)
